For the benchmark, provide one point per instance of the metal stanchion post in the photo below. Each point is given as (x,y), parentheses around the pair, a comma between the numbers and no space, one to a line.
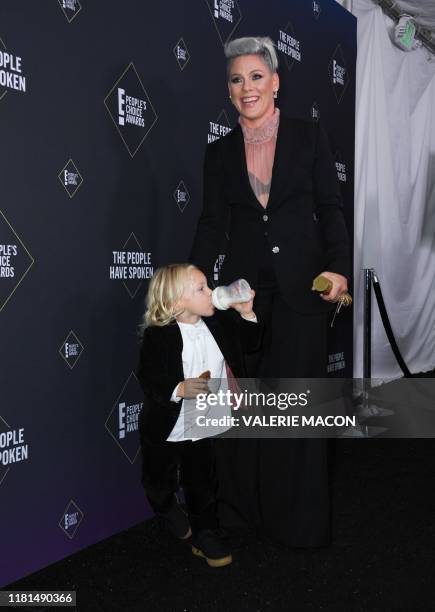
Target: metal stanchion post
(368,407)
(367,342)
(362,431)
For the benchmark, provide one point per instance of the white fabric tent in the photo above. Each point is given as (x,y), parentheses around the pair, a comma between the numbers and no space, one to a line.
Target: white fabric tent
(395,192)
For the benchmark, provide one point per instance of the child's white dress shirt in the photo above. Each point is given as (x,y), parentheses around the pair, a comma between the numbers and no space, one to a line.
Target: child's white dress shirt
(200,353)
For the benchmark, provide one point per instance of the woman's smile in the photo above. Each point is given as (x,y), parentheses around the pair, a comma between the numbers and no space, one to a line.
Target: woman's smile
(250,100)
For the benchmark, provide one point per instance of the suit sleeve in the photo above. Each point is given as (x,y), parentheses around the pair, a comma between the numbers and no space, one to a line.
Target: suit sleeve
(152,370)
(250,334)
(212,223)
(329,208)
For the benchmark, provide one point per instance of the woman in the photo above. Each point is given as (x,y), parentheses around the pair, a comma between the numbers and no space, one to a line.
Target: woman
(271,185)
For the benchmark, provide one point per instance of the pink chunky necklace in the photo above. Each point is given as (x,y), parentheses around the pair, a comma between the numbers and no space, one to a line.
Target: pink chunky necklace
(264,132)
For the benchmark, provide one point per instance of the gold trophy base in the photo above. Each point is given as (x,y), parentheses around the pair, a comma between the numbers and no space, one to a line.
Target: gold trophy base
(324,285)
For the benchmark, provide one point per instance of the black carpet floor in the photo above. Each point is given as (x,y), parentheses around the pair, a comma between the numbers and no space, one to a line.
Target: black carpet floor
(382,557)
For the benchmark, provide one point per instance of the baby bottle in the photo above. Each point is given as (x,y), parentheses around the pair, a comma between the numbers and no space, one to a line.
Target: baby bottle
(238,291)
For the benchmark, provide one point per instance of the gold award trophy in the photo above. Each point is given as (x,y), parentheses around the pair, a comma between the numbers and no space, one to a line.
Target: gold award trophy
(324,285)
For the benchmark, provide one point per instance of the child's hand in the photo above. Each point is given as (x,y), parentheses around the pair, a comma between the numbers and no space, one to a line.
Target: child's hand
(191,387)
(245,308)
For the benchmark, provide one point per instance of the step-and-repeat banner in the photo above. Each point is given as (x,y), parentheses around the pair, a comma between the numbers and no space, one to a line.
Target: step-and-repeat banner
(105,112)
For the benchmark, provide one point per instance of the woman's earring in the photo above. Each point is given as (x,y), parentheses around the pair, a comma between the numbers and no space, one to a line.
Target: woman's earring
(230,97)
(275,94)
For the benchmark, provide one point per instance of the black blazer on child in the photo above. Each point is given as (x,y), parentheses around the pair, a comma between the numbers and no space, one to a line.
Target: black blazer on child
(161,368)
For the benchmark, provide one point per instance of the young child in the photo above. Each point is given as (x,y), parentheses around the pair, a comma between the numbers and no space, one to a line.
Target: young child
(184,339)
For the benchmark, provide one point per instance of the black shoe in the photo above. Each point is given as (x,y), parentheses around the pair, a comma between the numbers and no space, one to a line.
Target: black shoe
(208,544)
(177,520)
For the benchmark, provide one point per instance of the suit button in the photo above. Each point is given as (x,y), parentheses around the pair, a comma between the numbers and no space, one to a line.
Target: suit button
(265,218)
(266,233)
(275,250)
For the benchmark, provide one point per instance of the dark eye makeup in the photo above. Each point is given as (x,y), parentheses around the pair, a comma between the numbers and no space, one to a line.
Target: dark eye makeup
(254,77)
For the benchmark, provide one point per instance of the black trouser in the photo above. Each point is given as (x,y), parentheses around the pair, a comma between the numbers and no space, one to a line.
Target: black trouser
(294,345)
(168,465)
(280,486)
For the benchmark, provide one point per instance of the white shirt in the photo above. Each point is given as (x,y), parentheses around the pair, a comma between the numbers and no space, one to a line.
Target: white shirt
(200,353)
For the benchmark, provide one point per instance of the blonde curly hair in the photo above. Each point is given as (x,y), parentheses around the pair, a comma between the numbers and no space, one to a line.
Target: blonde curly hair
(165,290)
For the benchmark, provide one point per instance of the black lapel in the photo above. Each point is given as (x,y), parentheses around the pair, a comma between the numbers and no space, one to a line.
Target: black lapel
(279,173)
(174,347)
(174,343)
(235,154)
(290,143)
(216,327)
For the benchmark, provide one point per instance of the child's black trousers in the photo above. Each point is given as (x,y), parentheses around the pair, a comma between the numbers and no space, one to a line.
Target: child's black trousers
(168,465)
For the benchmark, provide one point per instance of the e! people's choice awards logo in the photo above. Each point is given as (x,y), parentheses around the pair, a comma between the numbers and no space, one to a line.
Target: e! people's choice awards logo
(316,9)
(217,267)
(70,8)
(181,196)
(71,349)
(70,178)
(123,420)
(15,261)
(11,72)
(71,519)
(338,73)
(226,17)
(315,112)
(289,45)
(130,109)
(181,53)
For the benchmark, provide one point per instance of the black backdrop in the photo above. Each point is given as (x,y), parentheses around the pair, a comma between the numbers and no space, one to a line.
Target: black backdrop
(105,111)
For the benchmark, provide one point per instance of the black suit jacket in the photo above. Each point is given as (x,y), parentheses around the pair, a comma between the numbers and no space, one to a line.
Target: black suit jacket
(305,227)
(161,368)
